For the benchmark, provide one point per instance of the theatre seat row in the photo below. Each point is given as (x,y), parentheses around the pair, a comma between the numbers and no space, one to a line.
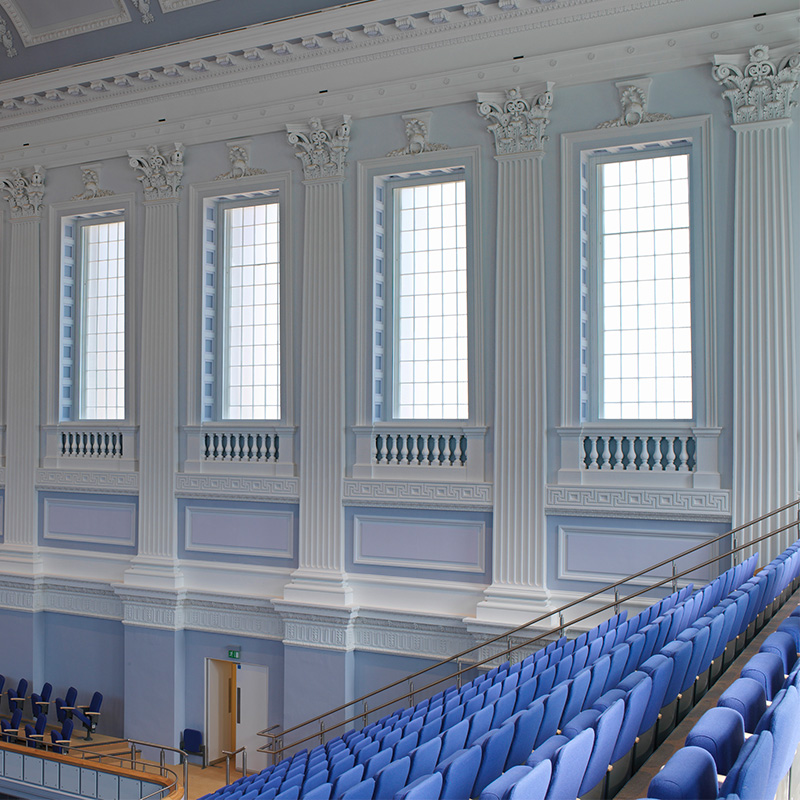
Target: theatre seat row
(746,745)
(463,739)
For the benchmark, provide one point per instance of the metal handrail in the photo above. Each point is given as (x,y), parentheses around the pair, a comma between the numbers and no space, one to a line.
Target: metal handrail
(84,751)
(233,753)
(278,737)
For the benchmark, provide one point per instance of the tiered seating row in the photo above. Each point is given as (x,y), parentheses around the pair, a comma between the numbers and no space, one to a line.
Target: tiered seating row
(746,745)
(460,741)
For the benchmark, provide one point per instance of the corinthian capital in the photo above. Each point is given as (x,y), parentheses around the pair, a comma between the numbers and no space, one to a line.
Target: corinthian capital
(321,151)
(160,171)
(759,88)
(24,193)
(517,122)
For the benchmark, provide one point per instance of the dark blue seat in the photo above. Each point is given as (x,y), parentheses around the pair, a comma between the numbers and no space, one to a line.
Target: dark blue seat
(16,697)
(40,703)
(89,715)
(65,707)
(60,739)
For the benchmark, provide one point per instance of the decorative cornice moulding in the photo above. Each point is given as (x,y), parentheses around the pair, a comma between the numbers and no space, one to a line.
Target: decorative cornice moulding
(317,626)
(117,15)
(117,119)
(82,598)
(2,476)
(59,480)
(218,613)
(418,494)
(321,151)
(407,634)
(152,608)
(237,487)
(517,119)
(21,594)
(758,88)
(161,171)
(24,192)
(633,97)
(143,7)
(701,505)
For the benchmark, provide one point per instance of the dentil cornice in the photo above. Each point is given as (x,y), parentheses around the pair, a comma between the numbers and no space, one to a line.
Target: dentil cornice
(516,121)
(151,608)
(758,88)
(322,152)
(317,626)
(161,171)
(24,192)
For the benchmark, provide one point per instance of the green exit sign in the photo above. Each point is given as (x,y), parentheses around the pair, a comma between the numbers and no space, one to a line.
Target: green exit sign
(233,653)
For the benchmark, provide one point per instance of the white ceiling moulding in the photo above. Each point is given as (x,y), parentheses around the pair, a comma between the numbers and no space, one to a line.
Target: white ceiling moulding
(107,14)
(177,5)
(259,96)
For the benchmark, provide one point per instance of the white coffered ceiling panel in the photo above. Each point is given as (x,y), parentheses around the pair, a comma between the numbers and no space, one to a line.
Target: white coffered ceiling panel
(39,21)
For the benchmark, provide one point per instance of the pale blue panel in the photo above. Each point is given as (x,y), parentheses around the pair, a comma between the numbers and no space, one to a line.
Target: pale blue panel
(107,786)
(70,778)
(129,789)
(34,770)
(51,771)
(13,766)
(89,783)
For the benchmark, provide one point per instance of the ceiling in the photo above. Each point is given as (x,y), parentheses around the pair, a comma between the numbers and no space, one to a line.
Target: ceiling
(41,35)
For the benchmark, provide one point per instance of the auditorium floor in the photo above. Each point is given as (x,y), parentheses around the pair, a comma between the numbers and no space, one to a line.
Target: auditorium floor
(637,786)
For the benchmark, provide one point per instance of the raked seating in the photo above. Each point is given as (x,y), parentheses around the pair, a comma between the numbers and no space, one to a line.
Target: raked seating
(603,699)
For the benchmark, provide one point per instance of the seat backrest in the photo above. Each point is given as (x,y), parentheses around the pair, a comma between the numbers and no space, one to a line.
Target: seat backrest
(659,667)
(553,710)
(781,720)
(526,726)
(577,693)
(599,675)
(690,773)
(748,776)
(783,645)
(534,785)
(619,657)
(680,653)
(458,775)
(606,732)
(721,732)
(569,766)
(495,746)
(699,640)
(767,669)
(635,705)
(424,758)
(392,777)
(71,696)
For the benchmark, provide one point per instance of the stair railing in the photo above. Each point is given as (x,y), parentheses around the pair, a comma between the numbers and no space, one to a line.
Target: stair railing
(277,745)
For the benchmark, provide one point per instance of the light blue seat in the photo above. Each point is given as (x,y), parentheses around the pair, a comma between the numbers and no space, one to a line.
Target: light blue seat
(689,775)
(720,731)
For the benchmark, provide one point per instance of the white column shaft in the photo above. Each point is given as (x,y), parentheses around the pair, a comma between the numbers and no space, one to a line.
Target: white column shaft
(520,408)
(322,381)
(765,470)
(158,399)
(22,386)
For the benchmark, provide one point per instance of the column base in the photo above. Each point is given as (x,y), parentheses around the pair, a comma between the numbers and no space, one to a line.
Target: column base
(319,587)
(21,560)
(509,606)
(163,574)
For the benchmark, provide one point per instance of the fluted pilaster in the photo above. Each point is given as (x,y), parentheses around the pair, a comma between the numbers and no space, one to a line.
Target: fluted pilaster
(765,457)
(320,577)
(156,563)
(519,541)
(22,386)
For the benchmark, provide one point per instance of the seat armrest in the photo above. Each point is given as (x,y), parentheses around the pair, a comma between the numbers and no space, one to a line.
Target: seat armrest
(92,713)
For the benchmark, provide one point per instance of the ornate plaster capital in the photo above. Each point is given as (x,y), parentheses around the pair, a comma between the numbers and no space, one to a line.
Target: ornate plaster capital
(759,88)
(161,170)
(418,126)
(90,175)
(239,156)
(633,96)
(7,39)
(517,122)
(24,192)
(321,151)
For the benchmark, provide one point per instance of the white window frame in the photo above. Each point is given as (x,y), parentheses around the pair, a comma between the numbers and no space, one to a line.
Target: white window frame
(367,428)
(235,442)
(88,443)
(576,249)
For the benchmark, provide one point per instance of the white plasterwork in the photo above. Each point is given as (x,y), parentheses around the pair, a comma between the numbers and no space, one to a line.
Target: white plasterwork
(150,608)
(60,480)
(418,494)
(177,86)
(177,5)
(684,504)
(51,504)
(2,476)
(316,626)
(7,39)
(237,487)
(116,15)
(633,96)
(285,517)
(83,598)
(218,613)
(20,593)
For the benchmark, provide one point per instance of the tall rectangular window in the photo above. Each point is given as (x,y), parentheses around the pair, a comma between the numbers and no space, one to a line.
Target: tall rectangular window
(431,366)
(102,350)
(241,307)
(644,283)
(252,312)
(92,331)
